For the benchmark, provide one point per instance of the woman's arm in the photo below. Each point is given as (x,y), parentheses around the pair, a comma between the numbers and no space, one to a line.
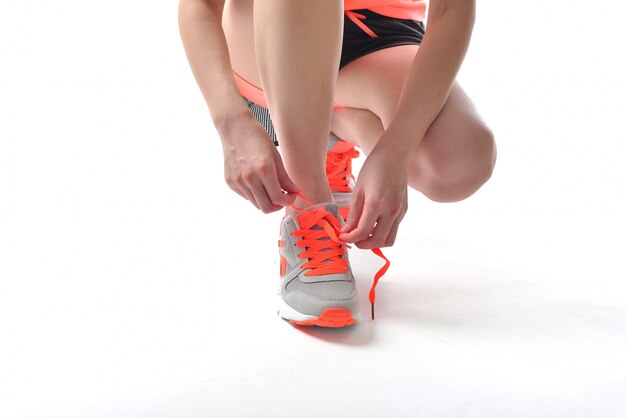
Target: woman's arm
(253,167)
(434,69)
(200,25)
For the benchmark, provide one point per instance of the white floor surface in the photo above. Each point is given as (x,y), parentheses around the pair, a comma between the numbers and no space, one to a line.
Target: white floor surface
(134,283)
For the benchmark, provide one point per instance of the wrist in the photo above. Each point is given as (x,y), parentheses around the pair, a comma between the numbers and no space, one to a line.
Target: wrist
(398,145)
(225,121)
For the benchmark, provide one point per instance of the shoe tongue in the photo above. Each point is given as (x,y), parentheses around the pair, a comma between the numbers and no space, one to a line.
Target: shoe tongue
(332,140)
(338,145)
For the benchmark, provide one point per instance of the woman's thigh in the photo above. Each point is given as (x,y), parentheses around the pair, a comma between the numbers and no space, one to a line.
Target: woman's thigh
(457,153)
(374,81)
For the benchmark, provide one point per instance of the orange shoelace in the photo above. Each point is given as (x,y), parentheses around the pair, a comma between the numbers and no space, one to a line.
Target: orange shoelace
(339,169)
(325,254)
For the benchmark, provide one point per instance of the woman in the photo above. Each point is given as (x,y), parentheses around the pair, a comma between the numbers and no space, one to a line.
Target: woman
(337,74)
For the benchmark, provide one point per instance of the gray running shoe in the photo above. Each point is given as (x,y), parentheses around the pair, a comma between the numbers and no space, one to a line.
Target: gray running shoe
(316,282)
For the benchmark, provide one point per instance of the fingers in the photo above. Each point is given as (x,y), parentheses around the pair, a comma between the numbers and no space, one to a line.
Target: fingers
(355,212)
(272,187)
(239,192)
(249,196)
(241,189)
(379,234)
(283,178)
(259,183)
(377,225)
(365,225)
(263,201)
(391,238)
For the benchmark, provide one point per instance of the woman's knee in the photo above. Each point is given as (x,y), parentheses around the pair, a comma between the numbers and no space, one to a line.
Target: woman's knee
(455,178)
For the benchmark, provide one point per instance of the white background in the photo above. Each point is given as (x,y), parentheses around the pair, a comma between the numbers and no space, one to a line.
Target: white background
(135,283)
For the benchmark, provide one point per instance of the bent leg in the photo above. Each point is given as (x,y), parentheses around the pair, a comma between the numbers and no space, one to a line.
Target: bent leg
(457,154)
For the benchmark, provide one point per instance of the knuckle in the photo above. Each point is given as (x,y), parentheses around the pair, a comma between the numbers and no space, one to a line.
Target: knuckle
(395,210)
(377,202)
(247,176)
(262,166)
(377,242)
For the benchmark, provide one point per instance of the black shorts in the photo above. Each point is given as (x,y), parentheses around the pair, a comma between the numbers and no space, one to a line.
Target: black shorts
(391,31)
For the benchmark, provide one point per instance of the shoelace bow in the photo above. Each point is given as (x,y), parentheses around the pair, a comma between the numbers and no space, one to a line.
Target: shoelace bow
(339,169)
(330,261)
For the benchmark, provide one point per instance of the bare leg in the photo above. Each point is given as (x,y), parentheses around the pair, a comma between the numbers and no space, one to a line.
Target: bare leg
(457,154)
(298,47)
(453,161)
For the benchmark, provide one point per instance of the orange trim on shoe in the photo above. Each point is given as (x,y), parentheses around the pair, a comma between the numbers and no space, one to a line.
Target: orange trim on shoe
(283,265)
(330,317)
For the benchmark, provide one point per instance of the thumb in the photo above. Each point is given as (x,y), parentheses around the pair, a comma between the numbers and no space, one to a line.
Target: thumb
(356,208)
(283,178)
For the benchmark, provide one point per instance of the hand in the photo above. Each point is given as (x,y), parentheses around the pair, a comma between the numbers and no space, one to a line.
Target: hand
(253,168)
(379,200)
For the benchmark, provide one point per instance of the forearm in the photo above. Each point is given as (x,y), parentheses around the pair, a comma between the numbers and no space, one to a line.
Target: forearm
(200,25)
(431,76)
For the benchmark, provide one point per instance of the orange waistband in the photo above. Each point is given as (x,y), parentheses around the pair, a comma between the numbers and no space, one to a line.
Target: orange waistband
(255,94)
